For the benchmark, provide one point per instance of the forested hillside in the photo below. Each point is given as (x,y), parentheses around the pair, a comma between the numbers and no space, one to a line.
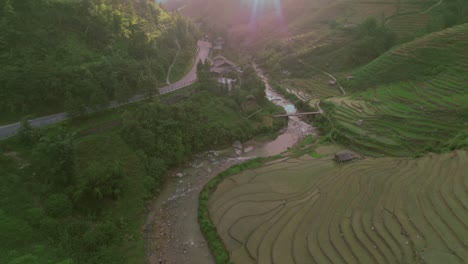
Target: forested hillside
(77,192)
(68,55)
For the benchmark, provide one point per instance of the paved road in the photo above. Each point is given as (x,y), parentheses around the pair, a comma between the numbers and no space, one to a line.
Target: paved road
(203,50)
(191,77)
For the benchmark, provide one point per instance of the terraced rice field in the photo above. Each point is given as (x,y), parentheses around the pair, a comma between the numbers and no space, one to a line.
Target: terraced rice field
(314,88)
(385,210)
(403,118)
(379,10)
(406,25)
(315,45)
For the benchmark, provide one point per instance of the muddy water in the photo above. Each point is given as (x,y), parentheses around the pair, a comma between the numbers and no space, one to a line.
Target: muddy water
(296,129)
(171,231)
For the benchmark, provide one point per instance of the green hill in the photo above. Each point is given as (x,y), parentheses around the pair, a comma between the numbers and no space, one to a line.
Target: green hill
(329,35)
(428,57)
(412,99)
(60,55)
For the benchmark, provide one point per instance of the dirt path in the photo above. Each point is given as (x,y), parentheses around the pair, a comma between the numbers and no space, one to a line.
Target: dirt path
(337,82)
(329,75)
(434,6)
(168,81)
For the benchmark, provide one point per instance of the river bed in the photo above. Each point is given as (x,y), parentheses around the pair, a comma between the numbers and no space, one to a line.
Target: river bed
(172,234)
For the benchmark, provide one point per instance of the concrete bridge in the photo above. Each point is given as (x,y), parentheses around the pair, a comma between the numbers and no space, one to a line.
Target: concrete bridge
(298,114)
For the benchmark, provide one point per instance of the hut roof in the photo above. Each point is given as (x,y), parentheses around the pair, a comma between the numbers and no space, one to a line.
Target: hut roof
(219,57)
(218,63)
(220,69)
(344,156)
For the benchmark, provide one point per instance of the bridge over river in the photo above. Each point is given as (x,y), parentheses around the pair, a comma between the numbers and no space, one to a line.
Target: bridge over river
(298,114)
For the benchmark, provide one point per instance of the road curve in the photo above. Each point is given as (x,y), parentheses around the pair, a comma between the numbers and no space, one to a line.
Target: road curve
(203,51)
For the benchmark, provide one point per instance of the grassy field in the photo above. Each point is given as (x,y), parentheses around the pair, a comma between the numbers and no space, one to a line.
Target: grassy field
(312,210)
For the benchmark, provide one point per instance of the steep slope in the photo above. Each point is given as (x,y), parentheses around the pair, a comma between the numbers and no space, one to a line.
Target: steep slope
(60,55)
(330,37)
(425,58)
(413,99)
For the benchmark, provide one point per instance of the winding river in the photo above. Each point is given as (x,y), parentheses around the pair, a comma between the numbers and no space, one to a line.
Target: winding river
(171,231)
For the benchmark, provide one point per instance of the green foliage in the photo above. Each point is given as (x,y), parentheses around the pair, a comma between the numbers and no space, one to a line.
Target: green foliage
(156,168)
(172,133)
(24,130)
(323,122)
(75,55)
(252,84)
(372,41)
(316,155)
(216,245)
(54,159)
(96,182)
(58,205)
(448,14)
(203,72)
(83,196)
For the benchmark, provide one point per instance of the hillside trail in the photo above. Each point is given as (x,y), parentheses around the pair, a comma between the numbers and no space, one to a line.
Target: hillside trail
(328,74)
(172,234)
(168,81)
(434,6)
(337,82)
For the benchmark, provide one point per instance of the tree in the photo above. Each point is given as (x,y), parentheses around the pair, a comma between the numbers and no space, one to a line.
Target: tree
(54,159)
(156,169)
(97,183)
(58,205)
(26,133)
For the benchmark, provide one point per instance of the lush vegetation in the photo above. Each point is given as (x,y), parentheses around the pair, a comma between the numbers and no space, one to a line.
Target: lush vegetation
(451,13)
(72,55)
(76,192)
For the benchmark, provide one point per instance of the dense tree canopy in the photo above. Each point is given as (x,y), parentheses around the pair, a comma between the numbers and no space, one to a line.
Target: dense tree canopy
(71,55)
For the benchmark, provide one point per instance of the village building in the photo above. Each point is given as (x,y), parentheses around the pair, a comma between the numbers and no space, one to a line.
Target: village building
(222,70)
(344,156)
(222,66)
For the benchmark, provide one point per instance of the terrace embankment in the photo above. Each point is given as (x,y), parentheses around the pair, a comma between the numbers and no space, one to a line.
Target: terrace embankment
(310,210)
